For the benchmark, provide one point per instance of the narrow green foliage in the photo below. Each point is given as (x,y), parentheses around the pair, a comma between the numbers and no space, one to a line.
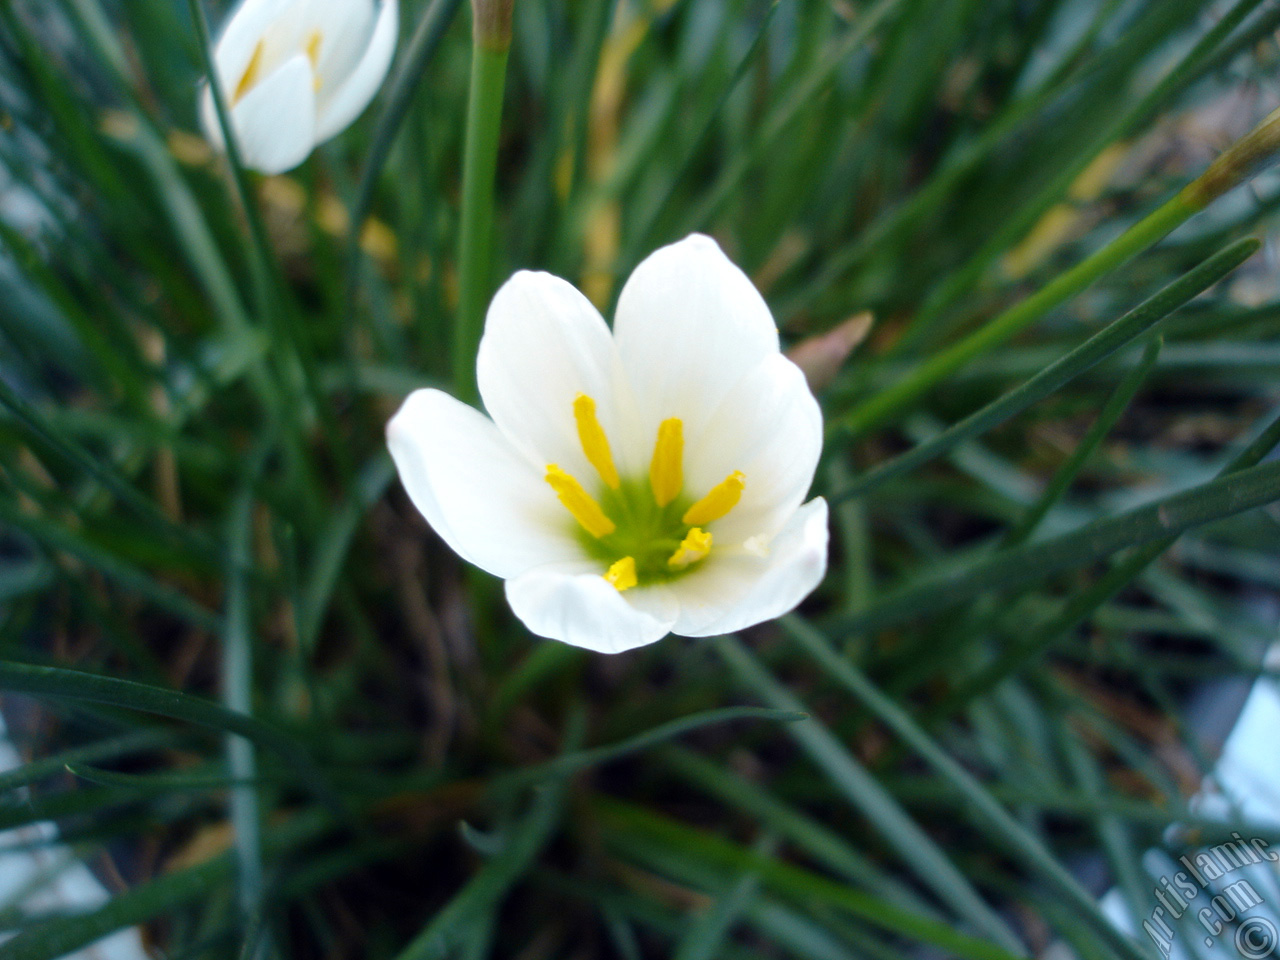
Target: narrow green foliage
(1053,377)
(262,699)
(475,236)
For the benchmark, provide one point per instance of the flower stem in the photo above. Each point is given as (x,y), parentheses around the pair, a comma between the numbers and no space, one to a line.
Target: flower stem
(1240,162)
(491,42)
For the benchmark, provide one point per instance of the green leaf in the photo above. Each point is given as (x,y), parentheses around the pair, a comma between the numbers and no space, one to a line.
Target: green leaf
(61,684)
(162,896)
(647,829)
(579,760)
(979,806)
(1062,371)
(917,850)
(1223,497)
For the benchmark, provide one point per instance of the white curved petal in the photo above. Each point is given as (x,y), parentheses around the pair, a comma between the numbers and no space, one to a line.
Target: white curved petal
(768,426)
(343,27)
(582,609)
(333,33)
(483,499)
(243,30)
(689,325)
(734,592)
(275,121)
(355,86)
(543,344)
(209,118)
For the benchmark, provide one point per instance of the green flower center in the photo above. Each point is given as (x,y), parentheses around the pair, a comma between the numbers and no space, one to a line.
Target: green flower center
(641,531)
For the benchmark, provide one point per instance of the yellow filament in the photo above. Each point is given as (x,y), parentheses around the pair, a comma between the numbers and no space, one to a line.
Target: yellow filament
(723,497)
(594,443)
(696,545)
(623,574)
(250,75)
(666,471)
(313,54)
(579,503)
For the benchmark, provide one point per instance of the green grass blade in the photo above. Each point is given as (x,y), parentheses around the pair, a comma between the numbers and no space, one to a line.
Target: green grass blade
(1111,411)
(1086,602)
(136,742)
(1214,500)
(647,830)
(402,86)
(801,96)
(572,762)
(58,537)
(237,697)
(68,448)
(917,850)
(58,683)
(1061,372)
(523,842)
(334,544)
(823,844)
(978,805)
(159,897)
(711,928)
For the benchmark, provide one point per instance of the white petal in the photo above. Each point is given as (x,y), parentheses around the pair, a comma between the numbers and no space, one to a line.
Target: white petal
(244,29)
(275,121)
(769,426)
(339,29)
(583,609)
(543,344)
(209,118)
(689,326)
(354,89)
(484,500)
(734,592)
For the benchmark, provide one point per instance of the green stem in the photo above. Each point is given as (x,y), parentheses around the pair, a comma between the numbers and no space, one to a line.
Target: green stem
(237,696)
(276,310)
(480,161)
(403,85)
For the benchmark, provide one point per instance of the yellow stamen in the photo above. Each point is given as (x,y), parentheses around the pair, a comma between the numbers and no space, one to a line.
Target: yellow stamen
(579,503)
(695,546)
(250,75)
(623,574)
(594,443)
(723,497)
(666,471)
(313,54)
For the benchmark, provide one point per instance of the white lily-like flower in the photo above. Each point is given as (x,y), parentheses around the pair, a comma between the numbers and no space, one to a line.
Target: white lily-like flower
(633,483)
(294,73)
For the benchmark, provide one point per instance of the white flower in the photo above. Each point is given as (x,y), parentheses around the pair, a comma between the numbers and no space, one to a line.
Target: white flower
(294,73)
(629,484)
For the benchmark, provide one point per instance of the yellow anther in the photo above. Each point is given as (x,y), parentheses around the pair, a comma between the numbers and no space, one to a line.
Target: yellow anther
(313,54)
(313,46)
(250,75)
(723,497)
(579,503)
(696,545)
(594,443)
(623,574)
(666,471)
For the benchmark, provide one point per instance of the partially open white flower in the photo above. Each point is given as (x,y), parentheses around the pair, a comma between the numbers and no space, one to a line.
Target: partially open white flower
(296,72)
(633,483)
